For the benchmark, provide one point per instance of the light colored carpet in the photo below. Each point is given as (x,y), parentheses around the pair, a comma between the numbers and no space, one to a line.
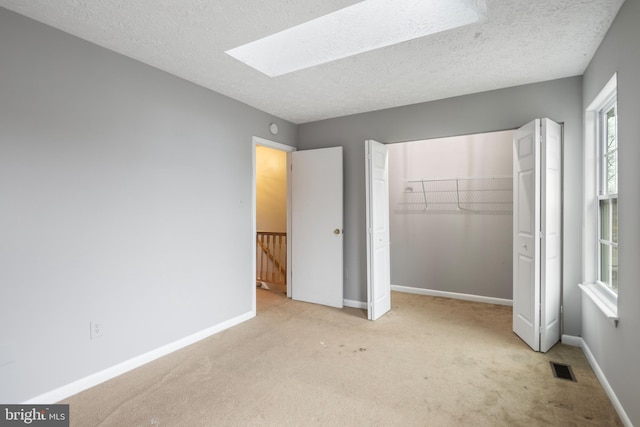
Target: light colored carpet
(428,362)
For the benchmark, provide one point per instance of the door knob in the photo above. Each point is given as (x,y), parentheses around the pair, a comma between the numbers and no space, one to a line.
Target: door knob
(525,247)
(336,231)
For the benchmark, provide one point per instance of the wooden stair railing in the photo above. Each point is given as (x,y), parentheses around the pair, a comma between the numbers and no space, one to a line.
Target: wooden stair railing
(271,261)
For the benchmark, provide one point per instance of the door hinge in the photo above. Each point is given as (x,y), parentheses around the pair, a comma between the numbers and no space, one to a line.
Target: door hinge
(540,321)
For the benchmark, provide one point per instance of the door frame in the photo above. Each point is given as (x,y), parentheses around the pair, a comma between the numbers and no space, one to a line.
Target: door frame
(256,141)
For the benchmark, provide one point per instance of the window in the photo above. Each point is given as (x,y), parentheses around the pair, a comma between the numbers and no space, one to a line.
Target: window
(600,249)
(607,141)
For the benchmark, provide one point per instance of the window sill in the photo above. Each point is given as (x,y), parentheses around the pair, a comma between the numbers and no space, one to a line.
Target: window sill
(602,299)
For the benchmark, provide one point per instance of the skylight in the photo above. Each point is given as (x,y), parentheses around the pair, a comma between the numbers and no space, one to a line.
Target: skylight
(359,28)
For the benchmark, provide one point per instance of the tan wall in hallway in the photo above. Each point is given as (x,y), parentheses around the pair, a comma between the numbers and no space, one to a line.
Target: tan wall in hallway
(271,189)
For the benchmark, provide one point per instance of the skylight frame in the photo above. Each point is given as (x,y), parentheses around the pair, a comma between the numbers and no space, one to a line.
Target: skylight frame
(359,28)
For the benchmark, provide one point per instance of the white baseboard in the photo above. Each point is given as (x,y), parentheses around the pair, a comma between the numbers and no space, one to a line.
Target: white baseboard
(433,293)
(454,295)
(354,304)
(92,380)
(579,342)
(572,341)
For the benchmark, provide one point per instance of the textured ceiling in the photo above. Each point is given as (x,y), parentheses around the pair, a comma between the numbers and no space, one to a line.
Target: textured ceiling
(523,41)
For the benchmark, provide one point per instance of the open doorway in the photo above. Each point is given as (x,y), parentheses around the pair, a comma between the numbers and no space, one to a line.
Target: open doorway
(471,220)
(271,216)
(271,219)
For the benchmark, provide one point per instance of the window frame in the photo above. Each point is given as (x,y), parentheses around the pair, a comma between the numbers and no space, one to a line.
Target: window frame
(604,194)
(600,294)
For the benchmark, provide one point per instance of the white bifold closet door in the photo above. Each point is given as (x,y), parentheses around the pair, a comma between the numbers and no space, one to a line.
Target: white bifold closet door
(378,244)
(537,233)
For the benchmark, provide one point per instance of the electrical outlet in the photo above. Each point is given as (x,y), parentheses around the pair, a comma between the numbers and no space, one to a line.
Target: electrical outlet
(96,330)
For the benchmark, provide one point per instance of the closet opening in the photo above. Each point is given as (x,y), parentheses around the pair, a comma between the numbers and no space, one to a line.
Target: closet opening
(451,216)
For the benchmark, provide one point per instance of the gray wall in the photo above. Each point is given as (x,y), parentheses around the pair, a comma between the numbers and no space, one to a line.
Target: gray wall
(125,199)
(443,248)
(617,350)
(560,100)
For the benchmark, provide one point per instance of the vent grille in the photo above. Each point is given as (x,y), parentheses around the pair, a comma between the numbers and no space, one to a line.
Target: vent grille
(562,371)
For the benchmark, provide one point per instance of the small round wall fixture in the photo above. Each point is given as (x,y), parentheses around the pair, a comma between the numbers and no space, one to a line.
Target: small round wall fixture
(273,128)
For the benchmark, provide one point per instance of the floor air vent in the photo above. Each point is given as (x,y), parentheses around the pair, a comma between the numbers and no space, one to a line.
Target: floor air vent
(562,371)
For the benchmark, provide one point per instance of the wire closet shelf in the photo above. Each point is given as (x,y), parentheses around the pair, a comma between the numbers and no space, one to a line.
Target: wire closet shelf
(464,195)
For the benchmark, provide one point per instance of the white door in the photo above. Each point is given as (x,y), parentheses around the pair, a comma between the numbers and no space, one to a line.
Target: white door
(526,224)
(551,226)
(377,211)
(536,233)
(316,226)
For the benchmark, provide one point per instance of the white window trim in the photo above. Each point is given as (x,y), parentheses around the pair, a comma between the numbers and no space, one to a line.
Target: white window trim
(603,297)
